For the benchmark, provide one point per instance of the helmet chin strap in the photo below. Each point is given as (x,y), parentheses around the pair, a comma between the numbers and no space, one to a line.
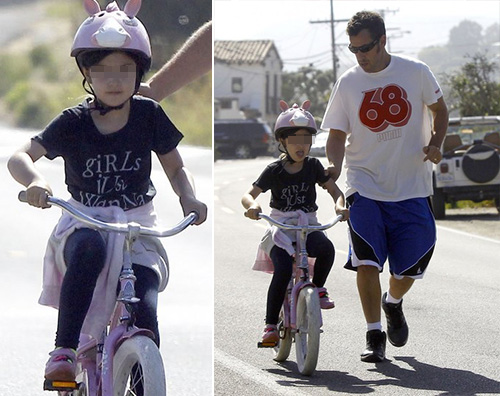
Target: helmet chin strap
(287,154)
(101,107)
(104,109)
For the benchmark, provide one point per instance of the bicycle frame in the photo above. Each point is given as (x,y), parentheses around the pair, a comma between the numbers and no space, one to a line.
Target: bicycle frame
(96,356)
(301,261)
(301,299)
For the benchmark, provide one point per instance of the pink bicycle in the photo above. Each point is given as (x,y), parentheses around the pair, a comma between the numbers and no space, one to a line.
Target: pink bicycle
(125,361)
(300,317)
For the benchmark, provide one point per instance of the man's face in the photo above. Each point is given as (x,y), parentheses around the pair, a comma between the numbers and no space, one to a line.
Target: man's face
(369,52)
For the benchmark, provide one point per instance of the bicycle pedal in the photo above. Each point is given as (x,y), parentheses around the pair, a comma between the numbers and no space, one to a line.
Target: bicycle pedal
(54,385)
(266,344)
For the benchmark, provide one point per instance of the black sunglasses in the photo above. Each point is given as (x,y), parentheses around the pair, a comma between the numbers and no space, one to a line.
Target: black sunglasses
(363,48)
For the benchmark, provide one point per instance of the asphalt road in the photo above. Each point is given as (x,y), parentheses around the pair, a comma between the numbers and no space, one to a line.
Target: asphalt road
(452,313)
(185,309)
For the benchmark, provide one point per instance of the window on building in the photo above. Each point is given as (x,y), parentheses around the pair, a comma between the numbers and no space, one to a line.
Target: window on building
(225,103)
(237,85)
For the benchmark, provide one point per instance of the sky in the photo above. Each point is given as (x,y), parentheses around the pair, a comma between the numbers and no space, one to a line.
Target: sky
(410,24)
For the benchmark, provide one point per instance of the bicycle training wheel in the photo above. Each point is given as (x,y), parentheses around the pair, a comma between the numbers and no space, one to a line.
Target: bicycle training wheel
(282,350)
(308,330)
(138,368)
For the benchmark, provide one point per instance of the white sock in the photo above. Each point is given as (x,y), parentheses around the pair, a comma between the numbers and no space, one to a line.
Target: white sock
(374,326)
(392,300)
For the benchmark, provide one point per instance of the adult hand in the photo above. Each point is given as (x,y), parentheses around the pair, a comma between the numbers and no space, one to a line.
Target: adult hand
(334,172)
(433,154)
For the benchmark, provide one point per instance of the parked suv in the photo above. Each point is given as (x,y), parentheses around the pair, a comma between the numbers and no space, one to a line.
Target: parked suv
(470,168)
(243,138)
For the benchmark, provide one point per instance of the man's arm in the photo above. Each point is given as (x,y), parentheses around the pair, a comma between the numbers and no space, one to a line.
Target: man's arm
(335,150)
(193,60)
(439,126)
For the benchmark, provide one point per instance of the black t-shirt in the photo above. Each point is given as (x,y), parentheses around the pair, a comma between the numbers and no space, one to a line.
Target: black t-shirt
(113,169)
(296,191)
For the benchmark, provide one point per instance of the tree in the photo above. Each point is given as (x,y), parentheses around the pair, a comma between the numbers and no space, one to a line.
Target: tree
(473,91)
(308,83)
(464,39)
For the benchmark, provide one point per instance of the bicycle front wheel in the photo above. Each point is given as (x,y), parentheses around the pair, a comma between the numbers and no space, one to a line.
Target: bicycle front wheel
(138,368)
(308,330)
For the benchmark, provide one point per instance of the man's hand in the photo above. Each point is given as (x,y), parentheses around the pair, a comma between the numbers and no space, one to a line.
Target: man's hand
(433,154)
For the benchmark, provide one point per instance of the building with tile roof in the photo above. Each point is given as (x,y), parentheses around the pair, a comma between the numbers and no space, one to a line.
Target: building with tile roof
(247,78)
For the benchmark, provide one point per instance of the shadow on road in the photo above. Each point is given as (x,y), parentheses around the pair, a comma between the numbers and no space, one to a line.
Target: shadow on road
(421,376)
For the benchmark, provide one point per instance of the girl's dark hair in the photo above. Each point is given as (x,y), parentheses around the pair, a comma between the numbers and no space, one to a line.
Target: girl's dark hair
(283,133)
(366,20)
(87,59)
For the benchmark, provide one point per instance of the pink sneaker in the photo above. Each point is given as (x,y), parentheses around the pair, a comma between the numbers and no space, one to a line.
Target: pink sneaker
(270,334)
(61,365)
(324,299)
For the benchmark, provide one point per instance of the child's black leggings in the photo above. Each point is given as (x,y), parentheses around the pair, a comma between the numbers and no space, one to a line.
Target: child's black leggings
(317,245)
(85,255)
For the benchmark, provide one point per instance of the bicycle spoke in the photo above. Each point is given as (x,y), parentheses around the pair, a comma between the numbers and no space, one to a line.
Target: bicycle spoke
(136,379)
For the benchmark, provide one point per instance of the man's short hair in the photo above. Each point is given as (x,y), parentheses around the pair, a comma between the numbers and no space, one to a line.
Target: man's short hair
(366,20)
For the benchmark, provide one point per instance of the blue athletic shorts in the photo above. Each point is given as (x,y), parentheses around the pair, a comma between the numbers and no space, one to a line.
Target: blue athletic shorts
(403,232)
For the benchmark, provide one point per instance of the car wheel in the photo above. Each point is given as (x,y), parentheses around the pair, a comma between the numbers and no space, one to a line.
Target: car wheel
(438,201)
(481,163)
(242,150)
(438,204)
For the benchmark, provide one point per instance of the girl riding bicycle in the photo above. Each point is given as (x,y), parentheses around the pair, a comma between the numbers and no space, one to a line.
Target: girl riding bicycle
(106,143)
(292,180)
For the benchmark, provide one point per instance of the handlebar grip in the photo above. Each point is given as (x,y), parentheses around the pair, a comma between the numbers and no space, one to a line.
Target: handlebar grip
(22,196)
(195,217)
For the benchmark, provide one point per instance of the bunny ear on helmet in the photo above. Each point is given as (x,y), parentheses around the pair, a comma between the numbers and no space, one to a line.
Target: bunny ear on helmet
(132,8)
(306,104)
(91,6)
(283,105)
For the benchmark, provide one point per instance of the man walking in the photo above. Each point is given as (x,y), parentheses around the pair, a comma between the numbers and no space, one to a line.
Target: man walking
(378,117)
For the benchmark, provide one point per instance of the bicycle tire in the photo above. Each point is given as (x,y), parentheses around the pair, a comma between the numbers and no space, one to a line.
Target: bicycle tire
(282,350)
(141,354)
(308,330)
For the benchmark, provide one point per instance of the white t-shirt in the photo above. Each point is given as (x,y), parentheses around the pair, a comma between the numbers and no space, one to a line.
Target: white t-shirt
(387,124)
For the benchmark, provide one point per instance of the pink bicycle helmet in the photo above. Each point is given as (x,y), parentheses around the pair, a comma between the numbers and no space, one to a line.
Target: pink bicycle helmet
(113,29)
(294,117)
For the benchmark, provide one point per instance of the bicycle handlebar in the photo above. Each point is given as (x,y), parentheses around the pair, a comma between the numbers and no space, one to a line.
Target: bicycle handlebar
(320,227)
(118,227)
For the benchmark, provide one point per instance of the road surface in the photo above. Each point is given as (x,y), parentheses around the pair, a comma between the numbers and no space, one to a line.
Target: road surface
(452,313)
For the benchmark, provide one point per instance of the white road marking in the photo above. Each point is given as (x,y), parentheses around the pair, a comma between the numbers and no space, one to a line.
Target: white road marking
(227,210)
(468,234)
(254,374)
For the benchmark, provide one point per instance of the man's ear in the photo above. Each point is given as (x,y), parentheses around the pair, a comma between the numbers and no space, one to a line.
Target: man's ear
(383,40)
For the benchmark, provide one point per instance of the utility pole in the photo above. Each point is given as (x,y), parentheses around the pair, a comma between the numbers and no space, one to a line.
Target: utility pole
(332,27)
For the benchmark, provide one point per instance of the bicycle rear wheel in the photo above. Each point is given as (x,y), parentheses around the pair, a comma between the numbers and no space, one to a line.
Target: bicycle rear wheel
(282,350)
(138,368)
(308,330)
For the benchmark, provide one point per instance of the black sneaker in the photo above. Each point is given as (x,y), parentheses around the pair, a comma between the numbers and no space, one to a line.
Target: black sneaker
(397,329)
(375,347)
